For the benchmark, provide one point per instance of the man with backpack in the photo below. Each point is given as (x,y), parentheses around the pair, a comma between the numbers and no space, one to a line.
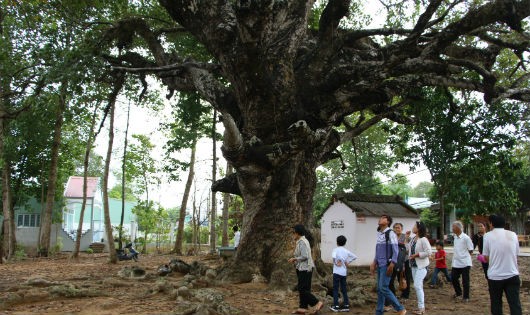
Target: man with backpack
(402,268)
(386,255)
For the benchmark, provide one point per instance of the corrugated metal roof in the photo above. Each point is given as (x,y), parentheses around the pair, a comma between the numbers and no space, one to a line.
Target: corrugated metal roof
(377,205)
(74,187)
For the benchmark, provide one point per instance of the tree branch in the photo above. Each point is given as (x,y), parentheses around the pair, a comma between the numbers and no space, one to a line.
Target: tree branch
(229,184)
(329,20)
(351,37)
(509,12)
(423,20)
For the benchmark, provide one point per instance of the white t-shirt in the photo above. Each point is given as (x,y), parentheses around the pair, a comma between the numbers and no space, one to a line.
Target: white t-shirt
(237,236)
(461,247)
(502,248)
(345,257)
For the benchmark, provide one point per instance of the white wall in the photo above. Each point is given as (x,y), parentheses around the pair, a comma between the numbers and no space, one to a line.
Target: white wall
(329,229)
(361,233)
(28,236)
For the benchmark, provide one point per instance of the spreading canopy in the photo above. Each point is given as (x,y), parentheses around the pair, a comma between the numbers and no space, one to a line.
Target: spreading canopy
(282,85)
(295,79)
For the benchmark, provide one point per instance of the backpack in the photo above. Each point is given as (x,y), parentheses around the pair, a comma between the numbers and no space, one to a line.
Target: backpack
(402,253)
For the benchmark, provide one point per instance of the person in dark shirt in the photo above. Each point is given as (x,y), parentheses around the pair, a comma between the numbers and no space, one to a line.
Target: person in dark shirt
(478,241)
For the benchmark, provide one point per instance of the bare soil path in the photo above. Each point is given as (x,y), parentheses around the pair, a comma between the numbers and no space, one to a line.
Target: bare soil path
(90,285)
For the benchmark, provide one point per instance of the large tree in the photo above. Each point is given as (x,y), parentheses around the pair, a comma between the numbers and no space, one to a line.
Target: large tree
(283,83)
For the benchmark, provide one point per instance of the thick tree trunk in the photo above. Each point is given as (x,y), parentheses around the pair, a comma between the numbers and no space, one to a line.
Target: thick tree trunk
(88,148)
(8,237)
(124,160)
(108,227)
(46,218)
(213,217)
(184,204)
(226,206)
(442,215)
(273,205)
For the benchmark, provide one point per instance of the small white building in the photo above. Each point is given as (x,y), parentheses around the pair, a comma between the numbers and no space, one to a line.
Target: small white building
(356,216)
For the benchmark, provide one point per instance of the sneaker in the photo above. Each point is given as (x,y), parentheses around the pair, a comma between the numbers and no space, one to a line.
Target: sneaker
(345,308)
(335,308)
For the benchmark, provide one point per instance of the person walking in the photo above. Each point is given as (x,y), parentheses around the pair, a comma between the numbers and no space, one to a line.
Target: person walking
(501,249)
(420,250)
(304,270)
(478,241)
(341,258)
(402,268)
(461,263)
(404,241)
(386,254)
(441,264)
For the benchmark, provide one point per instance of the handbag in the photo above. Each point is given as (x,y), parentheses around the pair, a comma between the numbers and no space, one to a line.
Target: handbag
(402,281)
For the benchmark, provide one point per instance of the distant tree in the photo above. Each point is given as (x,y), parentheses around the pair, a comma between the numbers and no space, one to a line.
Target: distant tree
(465,145)
(145,212)
(191,123)
(141,166)
(422,189)
(398,185)
(116,193)
(361,162)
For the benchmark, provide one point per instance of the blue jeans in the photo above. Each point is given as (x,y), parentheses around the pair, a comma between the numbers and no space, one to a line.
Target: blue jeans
(339,280)
(435,275)
(383,292)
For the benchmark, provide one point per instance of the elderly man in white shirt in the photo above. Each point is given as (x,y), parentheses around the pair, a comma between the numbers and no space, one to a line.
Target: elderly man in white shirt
(461,265)
(501,249)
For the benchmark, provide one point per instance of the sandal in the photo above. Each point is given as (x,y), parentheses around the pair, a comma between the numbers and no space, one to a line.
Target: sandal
(319,306)
(299,311)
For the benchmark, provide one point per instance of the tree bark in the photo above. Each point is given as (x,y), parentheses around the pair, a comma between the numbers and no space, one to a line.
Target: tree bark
(213,216)
(273,206)
(9,236)
(184,203)
(46,218)
(88,149)
(226,207)
(118,84)
(120,231)
(105,187)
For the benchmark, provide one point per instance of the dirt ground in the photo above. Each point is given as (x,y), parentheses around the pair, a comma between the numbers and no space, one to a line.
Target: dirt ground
(23,283)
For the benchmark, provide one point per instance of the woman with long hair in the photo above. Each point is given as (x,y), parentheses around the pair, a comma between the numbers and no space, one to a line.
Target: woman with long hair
(420,250)
(304,270)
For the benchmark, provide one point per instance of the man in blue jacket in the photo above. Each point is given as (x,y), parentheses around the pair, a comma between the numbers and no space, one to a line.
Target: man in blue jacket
(386,254)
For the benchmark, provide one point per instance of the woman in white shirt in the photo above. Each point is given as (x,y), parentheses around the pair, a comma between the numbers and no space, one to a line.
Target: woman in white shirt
(420,250)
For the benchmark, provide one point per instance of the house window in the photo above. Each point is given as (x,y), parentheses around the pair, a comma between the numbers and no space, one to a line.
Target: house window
(28,220)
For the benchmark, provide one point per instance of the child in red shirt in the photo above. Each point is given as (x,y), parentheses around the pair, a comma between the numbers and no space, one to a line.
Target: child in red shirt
(439,257)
